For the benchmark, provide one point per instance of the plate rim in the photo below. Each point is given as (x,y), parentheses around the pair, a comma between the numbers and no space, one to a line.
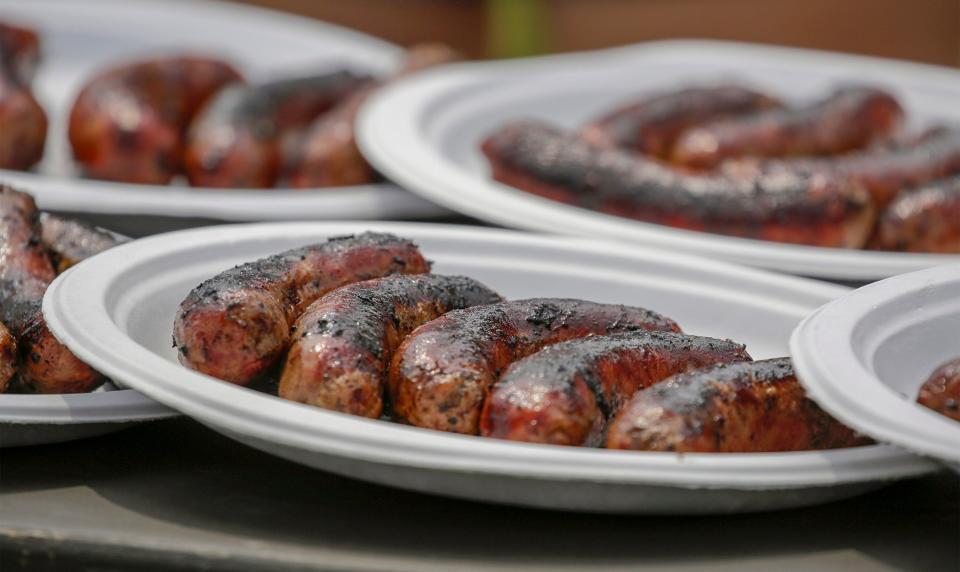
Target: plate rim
(408,158)
(330,433)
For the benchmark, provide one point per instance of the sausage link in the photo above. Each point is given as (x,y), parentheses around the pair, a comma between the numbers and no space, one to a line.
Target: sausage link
(129,122)
(941,392)
(783,207)
(344,341)
(565,393)
(236,325)
(236,139)
(652,125)
(19,52)
(922,220)
(731,408)
(24,124)
(850,118)
(69,241)
(8,357)
(46,365)
(442,372)
(328,155)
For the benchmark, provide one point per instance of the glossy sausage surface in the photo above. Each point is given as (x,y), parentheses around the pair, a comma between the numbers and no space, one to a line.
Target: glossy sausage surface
(732,408)
(565,393)
(24,124)
(236,325)
(941,392)
(343,342)
(782,207)
(69,241)
(926,219)
(442,372)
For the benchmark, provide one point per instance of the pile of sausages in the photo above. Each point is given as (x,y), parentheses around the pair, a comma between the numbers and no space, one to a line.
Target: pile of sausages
(839,172)
(359,325)
(34,248)
(149,121)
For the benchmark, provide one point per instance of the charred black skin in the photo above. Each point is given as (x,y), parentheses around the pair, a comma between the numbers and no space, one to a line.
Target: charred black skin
(343,342)
(69,241)
(784,206)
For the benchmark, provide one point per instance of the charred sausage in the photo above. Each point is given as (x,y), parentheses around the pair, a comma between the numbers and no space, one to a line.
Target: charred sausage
(128,123)
(651,126)
(344,341)
(19,52)
(8,357)
(46,365)
(731,408)
(236,325)
(69,241)
(236,140)
(783,207)
(565,393)
(941,392)
(926,219)
(850,118)
(442,372)
(328,155)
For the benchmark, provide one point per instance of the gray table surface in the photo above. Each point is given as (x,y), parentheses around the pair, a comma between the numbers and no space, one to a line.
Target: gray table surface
(174,495)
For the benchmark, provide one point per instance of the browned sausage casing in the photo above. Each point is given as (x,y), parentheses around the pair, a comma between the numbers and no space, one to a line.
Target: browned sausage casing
(565,393)
(236,325)
(19,51)
(69,241)
(782,207)
(442,372)
(344,341)
(46,365)
(328,155)
(922,220)
(129,122)
(941,392)
(8,357)
(651,126)
(24,125)
(849,119)
(235,141)
(733,408)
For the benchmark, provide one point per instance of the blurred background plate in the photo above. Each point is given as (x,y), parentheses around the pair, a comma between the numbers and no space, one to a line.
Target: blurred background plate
(80,38)
(424,133)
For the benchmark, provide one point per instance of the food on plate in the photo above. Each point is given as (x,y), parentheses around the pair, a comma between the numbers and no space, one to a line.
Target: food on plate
(652,125)
(69,241)
(327,155)
(8,357)
(783,207)
(236,325)
(442,372)
(848,119)
(742,407)
(128,123)
(46,365)
(343,342)
(23,119)
(565,393)
(237,138)
(941,392)
(926,219)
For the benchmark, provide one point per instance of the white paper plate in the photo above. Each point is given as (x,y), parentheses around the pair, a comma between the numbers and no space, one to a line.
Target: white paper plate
(865,356)
(80,38)
(116,312)
(424,133)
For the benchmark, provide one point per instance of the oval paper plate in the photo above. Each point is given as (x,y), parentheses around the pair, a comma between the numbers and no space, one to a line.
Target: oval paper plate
(865,356)
(424,133)
(116,312)
(81,38)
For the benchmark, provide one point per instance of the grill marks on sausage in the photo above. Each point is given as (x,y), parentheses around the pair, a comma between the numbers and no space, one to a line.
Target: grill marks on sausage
(442,372)
(732,408)
(782,206)
(344,341)
(652,125)
(46,366)
(236,325)
(941,392)
(565,393)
